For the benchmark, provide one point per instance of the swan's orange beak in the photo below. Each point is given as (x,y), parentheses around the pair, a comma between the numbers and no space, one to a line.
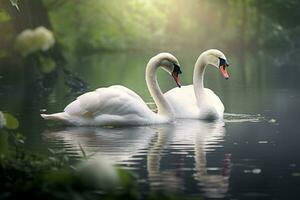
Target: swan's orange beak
(224,71)
(175,75)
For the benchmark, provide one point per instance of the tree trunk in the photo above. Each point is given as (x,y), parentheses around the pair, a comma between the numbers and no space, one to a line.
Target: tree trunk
(31,15)
(243,25)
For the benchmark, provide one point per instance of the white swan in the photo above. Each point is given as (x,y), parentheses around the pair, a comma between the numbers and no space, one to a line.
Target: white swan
(195,101)
(118,105)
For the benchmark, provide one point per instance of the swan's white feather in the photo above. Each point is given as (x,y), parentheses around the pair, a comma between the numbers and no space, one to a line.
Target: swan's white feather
(115,105)
(184,103)
(128,91)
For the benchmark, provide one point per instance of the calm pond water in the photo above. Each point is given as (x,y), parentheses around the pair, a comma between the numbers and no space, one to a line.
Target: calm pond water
(253,154)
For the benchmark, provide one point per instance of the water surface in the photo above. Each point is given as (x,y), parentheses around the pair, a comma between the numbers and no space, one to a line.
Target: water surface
(253,154)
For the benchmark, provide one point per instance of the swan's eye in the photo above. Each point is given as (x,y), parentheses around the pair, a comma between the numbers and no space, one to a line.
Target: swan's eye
(223,62)
(176,69)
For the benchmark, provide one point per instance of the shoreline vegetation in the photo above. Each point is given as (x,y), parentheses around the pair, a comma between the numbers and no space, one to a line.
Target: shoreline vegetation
(136,25)
(42,37)
(66,31)
(60,33)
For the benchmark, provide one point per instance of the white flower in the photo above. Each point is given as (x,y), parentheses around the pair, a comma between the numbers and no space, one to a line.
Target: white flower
(30,41)
(44,38)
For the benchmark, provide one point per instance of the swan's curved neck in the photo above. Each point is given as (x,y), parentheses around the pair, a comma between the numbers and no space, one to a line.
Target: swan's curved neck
(198,76)
(163,106)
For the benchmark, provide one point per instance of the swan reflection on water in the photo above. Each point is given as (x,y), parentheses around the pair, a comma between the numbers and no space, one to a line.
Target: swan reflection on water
(120,145)
(189,137)
(169,156)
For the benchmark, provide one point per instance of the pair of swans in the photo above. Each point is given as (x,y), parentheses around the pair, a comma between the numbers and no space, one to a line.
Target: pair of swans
(117,105)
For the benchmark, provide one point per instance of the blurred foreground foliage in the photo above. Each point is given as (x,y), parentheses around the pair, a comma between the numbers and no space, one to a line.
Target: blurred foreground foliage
(24,174)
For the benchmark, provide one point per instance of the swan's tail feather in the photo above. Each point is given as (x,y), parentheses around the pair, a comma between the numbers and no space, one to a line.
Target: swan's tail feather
(56,116)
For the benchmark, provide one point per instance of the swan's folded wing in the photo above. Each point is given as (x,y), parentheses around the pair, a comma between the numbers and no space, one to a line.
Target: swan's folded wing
(80,105)
(108,101)
(128,91)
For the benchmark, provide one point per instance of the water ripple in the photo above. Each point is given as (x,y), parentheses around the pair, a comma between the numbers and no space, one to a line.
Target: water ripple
(232,117)
(164,155)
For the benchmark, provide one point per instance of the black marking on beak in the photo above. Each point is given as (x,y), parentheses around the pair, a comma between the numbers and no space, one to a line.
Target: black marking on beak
(222,67)
(176,69)
(175,73)
(223,62)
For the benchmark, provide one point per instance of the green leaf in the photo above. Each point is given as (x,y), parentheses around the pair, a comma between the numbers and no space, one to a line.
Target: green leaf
(11,121)
(4,17)
(47,65)
(20,138)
